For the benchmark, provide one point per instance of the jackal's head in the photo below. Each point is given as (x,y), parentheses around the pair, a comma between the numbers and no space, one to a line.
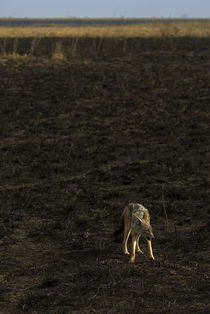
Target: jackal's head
(146,228)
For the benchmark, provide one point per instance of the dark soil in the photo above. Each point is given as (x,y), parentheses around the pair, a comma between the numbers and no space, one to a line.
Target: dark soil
(120,121)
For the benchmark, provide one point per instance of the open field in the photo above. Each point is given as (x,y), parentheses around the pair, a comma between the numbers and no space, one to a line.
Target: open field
(16,28)
(87,125)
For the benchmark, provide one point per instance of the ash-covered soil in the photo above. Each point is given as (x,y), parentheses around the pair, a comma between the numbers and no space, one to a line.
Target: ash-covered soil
(79,139)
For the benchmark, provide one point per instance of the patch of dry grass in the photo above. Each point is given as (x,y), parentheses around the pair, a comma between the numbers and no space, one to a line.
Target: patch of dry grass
(153,29)
(27,41)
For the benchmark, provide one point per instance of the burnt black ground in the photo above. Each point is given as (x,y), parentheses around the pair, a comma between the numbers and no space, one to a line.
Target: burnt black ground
(120,120)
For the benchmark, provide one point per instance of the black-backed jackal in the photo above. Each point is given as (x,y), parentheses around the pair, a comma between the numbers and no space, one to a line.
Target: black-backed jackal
(137,222)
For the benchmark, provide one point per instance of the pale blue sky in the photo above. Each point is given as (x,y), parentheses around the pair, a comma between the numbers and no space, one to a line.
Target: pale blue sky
(104,8)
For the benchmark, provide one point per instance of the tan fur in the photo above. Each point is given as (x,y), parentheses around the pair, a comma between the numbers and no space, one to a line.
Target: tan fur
(146,217)
(136,230)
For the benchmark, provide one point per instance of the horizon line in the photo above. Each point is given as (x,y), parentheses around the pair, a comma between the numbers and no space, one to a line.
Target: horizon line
(108,18)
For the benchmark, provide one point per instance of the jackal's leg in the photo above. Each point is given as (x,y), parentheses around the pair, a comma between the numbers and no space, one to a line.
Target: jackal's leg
(150,249)
(134,241)
(125,240)
(127,229)
(138,246)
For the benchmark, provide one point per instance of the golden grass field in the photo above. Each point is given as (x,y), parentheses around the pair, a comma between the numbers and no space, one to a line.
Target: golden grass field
(150,29)
(21,38)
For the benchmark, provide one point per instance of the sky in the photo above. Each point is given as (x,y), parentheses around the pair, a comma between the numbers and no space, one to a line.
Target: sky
(105,8)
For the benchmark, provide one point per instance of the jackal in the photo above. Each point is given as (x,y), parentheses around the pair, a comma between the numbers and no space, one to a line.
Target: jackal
(137,222)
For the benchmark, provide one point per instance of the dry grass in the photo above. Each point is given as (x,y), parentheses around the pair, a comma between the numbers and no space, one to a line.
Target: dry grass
(153,29)
(12,37)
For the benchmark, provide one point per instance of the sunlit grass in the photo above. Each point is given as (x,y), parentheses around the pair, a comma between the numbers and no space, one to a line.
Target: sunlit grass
(66,41)
(153,29)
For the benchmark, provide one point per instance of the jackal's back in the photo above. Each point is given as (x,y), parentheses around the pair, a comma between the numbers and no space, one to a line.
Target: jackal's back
(140,211)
